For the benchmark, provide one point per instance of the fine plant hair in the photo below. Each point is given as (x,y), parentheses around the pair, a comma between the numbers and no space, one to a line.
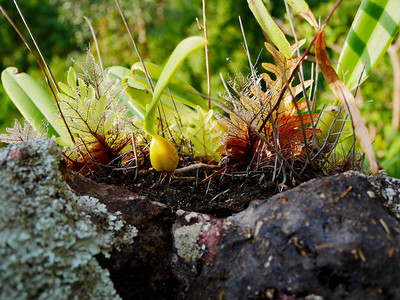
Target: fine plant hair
(22,133)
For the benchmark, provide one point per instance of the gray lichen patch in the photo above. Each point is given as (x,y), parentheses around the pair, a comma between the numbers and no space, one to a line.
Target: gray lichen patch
(389,189)
(185,242)
(47,238)
(113,232)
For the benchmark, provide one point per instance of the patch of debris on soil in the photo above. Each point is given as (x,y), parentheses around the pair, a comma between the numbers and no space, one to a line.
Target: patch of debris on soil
(221,196)
(214,192)
(221,189)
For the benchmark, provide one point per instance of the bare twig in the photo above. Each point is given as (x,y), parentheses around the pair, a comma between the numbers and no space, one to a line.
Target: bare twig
(146,72)
(394,58)
(95,41)
(196,167)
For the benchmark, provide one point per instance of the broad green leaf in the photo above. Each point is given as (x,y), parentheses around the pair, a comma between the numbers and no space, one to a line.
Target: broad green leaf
(204,134)
(180,90)
(91,93)
(371,33)
(269,26)
(101,105)
(139,94)
(142,97)
(118,73)
(182,50)
(64,141)
(32,100)
(108,124)
(139,91)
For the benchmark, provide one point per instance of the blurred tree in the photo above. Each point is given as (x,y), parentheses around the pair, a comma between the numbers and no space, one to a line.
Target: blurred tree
(55,37)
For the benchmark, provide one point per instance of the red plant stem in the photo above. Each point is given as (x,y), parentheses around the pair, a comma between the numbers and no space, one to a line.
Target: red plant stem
(298,65)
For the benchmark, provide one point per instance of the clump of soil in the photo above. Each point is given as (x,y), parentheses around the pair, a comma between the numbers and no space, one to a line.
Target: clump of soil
(200,191)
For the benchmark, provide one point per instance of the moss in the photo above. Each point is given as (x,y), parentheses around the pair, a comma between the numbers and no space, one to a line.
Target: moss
(47,239)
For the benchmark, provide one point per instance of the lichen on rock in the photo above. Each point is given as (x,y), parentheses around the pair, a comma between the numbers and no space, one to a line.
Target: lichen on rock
(48,240)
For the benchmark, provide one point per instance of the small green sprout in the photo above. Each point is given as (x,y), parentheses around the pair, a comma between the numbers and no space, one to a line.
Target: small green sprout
(163,155)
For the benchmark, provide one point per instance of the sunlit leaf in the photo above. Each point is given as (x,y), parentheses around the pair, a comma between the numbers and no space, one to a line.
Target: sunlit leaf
(301,7)
(82,88)
(371,33)
(31,100)
(180,53)
(71,78)
(180,90)
(119,73)
(269,26)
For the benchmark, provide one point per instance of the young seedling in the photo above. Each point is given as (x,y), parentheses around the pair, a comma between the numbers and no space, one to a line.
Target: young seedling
(163,155)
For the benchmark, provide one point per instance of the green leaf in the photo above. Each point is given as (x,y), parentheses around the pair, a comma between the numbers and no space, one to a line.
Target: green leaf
(180,90)
(82,89)
(118,73)
(182,50)
(64,141)
(71,78)
(301,7)
(32,100)
(372,31)
(66,89)
(139,91)
(91,93)
(108,124)
(266,22)
(204,134)
(101,105)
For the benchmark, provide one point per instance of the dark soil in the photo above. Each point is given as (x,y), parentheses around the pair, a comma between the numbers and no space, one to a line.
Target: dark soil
(202,191)
(220,197)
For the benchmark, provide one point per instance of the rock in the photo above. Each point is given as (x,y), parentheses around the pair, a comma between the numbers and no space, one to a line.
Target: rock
(140,270)
(65,236)
(328,238)
(48,241)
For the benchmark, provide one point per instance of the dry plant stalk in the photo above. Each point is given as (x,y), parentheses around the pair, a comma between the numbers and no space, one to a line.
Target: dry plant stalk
(346,99)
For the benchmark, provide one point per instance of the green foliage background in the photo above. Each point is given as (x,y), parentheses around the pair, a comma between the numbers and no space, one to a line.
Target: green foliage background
(159,25)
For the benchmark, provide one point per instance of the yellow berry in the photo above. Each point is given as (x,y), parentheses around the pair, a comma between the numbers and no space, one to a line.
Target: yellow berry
(163,156)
